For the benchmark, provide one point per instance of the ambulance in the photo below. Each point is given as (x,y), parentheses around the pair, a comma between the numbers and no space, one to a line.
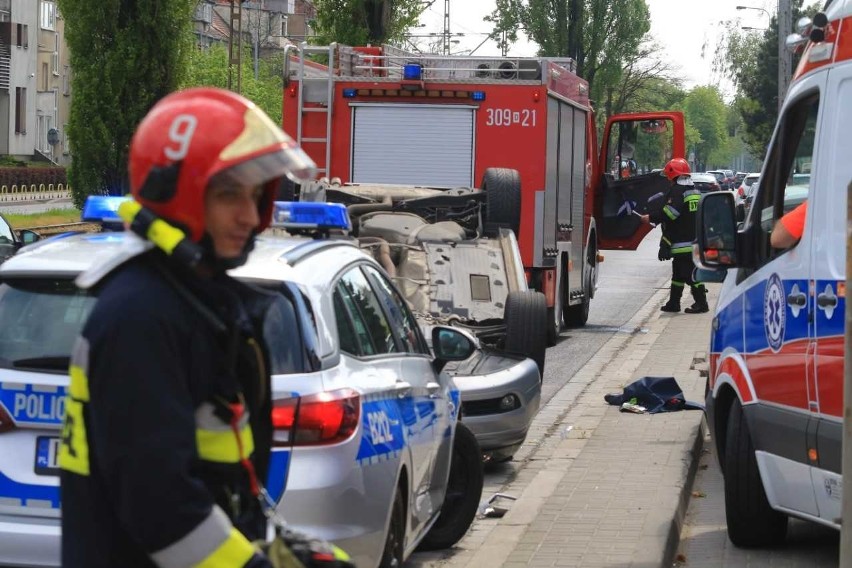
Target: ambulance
(381,115)
(775,387)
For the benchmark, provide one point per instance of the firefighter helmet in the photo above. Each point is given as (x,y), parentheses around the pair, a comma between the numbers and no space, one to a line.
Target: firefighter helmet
(202,136)
(675,168)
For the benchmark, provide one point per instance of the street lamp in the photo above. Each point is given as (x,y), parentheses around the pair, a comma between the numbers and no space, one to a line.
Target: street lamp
(785,63)
(754,8)
(753,29)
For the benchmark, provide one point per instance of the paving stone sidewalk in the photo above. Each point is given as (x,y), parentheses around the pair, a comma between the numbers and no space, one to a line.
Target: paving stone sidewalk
(604,488)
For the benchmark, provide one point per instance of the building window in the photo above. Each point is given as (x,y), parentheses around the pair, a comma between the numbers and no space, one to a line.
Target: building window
(66,149)
(66,81)
(283,26)
(22,38)
(48,15)
(45,73)
(56,55)
(291,6)
(20,110)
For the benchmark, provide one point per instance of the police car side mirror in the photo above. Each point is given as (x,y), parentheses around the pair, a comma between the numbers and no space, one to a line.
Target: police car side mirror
(451,344)
(717,231)
(28,237)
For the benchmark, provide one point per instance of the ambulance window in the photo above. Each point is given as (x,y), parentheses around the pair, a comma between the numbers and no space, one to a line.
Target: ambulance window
(786,182)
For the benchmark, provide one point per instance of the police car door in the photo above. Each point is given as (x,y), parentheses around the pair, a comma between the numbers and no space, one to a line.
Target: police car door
(777,311)
(431,414)
(832,173)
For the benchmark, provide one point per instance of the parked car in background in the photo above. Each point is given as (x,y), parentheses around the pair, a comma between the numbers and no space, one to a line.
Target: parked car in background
(730,178)
(739,177)
(721,178)
(742,191)
(705,182)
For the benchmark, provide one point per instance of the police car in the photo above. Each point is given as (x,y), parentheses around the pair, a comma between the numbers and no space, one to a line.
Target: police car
(775,388)
(368,449)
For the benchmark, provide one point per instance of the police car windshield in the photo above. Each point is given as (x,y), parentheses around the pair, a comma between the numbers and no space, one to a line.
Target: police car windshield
(41,319)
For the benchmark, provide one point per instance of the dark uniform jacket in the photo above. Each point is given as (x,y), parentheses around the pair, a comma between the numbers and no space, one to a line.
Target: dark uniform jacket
(677,216)
(168,414)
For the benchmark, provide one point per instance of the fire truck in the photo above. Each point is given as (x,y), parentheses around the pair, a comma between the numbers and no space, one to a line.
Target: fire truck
(381,115)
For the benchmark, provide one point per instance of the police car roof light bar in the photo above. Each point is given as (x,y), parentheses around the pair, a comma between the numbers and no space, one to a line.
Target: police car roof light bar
(310,215)
(103,209)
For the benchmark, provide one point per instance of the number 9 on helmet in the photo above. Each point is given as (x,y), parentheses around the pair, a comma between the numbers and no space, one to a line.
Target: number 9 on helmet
(199,137)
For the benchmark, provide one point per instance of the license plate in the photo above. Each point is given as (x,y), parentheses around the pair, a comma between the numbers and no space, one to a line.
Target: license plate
(47,455)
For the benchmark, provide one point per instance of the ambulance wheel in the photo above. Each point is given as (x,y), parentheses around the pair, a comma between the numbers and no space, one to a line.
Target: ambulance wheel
(393,552)
(525,315)
(502,187)
(751,521)
(464,489)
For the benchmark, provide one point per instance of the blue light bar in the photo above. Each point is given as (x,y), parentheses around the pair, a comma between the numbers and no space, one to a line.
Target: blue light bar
(477,95)
(412,72)
(349,93)
(102,208)
(310,215)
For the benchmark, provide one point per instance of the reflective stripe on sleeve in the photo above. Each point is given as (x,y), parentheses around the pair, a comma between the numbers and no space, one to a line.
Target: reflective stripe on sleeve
(671,212)
(216,440)
(214,543)
(77,370)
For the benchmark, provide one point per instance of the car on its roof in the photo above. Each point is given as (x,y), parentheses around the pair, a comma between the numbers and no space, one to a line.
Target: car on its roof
(369,450)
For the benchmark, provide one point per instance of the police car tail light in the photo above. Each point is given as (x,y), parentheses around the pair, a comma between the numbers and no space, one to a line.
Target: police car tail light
(318,419)
(6,423)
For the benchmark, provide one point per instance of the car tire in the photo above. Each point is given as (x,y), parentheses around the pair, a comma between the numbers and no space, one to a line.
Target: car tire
(464,490)
(392,556)
(525,315)
(502,187)
(751,521)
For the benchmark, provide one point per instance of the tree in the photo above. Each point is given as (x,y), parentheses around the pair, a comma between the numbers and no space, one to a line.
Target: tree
(126,55)
(209,67)
(647,83)
(359,22)
(705,111)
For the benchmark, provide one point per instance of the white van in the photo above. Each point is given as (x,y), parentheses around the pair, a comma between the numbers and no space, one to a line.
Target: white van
(775,390)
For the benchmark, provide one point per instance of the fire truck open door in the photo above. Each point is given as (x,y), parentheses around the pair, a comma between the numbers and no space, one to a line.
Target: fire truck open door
(635,148)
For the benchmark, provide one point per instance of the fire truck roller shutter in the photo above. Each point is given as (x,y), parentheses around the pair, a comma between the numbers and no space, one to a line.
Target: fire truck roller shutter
(413,144)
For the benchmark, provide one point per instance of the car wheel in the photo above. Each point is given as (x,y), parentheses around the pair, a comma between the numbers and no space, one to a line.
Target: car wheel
(502,187)
(525,315)
(751,521)
(392,555)
(464,489)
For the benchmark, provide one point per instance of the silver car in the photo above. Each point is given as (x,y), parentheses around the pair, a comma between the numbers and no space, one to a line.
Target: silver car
(369,452)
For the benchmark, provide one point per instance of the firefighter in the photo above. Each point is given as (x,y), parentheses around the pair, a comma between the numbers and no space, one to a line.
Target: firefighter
(168,424)
(677,216)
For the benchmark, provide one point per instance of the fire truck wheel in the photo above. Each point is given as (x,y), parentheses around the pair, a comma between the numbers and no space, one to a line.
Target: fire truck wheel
(751,521)
(578,315)
(502,187)
(526,325)
(464,489)
(392,557)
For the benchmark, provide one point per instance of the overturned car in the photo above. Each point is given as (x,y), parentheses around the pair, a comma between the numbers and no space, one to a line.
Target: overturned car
(454,255)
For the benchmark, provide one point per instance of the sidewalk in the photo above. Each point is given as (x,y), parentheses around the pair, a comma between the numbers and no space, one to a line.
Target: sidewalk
(605,488)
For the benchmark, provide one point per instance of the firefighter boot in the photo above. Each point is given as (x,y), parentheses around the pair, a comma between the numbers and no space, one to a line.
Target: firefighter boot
(699,294)
(673,305)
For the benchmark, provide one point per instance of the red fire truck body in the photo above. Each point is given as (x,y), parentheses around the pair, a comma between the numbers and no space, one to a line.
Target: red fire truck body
(380,115)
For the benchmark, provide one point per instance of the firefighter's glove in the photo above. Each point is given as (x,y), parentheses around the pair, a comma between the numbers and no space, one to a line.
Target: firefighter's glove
(665,252)
(291,549)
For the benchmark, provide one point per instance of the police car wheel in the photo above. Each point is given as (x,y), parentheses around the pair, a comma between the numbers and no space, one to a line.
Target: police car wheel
(751,521)
(393,552)
(464,489)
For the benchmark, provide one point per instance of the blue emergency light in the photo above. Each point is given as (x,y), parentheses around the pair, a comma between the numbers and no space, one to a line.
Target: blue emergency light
(412,72)
(349,93)
(477,95)
(310,215)
(103,208)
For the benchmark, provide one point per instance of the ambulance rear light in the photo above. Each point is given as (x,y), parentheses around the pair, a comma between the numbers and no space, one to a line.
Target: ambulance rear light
(316,420)
(6,423)
(310,215)
(102,209)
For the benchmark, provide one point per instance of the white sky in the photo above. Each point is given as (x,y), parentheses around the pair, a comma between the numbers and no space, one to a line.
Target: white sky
(682,27)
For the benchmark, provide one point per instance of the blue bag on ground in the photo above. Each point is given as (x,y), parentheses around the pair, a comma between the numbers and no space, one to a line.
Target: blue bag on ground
(656,394)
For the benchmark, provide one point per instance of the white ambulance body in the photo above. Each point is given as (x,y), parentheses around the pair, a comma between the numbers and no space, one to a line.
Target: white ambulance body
(775,390)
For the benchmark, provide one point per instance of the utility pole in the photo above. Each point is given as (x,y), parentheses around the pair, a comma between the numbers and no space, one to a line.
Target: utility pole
(235,48)
(846,455)
(447,34)
(785,57)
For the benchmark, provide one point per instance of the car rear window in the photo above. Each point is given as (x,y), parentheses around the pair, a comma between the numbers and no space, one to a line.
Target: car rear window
(41,319)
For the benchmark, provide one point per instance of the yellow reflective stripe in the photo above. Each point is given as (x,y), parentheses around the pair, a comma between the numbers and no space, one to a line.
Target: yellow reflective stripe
(340,554)
(164,235)
(671,212)
(74,447)
(681,250)
(79,387)
(222,447)
(127,210)
(235,551)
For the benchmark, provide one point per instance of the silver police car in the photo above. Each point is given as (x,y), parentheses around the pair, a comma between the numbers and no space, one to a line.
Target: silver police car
(368,449)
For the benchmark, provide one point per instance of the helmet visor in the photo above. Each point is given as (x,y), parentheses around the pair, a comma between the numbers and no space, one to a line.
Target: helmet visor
(291,162)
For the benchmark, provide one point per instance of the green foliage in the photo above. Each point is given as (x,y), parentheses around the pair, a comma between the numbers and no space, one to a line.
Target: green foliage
(126,55)
(706,113)
(209,67)
(359,22)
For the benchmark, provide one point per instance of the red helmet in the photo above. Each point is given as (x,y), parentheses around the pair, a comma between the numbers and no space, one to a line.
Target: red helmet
(675,168)
(196,137)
